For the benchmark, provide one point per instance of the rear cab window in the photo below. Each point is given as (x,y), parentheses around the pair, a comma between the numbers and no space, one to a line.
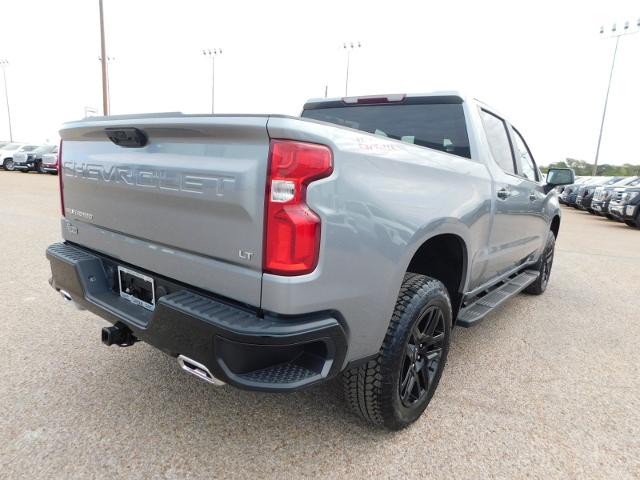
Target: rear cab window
(423,122)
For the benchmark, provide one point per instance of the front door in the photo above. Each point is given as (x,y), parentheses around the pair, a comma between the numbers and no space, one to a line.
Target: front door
(514,237)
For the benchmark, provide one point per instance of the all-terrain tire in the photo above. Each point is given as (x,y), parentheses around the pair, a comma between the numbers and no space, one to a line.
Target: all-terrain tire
(544,267)
(374,390)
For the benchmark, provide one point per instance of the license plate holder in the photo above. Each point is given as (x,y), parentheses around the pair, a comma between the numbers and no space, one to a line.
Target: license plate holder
(137,288)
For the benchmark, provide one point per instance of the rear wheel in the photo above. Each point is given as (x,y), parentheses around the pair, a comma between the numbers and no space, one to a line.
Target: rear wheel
(395,388)
(8,164)
(544,267)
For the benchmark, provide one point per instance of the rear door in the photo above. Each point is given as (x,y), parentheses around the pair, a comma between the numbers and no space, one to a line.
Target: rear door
(514,237)
(188,205)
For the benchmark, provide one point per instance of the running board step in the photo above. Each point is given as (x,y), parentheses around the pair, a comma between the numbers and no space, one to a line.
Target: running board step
(473,313)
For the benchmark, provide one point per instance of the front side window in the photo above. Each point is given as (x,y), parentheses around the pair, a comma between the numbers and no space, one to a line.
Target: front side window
(528,167)
(499,142)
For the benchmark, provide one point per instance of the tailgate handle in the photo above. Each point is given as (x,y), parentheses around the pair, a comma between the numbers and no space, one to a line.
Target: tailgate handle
(129,137)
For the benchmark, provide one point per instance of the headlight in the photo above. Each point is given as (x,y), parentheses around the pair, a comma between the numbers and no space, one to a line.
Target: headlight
(630,196)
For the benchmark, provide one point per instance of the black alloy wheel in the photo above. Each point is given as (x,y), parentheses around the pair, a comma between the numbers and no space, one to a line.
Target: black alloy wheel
(422,356)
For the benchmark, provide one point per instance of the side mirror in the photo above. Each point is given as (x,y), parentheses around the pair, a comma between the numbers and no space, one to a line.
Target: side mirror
(559,176)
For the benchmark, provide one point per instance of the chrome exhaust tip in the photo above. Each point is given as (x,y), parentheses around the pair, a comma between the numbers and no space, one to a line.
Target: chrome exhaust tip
(67,296)
(199,370)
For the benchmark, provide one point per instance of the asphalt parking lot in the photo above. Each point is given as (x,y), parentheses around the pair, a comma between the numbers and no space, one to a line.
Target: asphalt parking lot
(547,387)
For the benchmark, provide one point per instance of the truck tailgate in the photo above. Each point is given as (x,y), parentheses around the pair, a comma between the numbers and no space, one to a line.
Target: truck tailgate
(188,205)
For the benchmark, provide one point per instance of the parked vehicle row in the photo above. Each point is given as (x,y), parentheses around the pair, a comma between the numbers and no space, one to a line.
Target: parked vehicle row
(616,198)
(28,157)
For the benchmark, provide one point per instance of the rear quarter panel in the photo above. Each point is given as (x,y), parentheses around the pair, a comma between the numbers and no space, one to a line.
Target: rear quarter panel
(383,201)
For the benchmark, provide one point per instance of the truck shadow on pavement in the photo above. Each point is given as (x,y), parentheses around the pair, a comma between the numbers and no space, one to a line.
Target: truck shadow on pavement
(181,402)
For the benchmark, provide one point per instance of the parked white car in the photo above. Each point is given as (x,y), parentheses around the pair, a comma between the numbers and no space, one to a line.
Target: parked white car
(6,154)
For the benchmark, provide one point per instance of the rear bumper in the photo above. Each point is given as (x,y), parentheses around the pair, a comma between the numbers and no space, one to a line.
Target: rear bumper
(242,347)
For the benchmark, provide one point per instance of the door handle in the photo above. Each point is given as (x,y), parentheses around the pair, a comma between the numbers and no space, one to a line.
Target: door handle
(503,193)
(532,196)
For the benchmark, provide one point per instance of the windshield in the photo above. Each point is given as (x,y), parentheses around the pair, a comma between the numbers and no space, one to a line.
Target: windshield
(612,181)
(438,126)
(621,183)
(45,149)
(635,183)
(29,148)
(598,181)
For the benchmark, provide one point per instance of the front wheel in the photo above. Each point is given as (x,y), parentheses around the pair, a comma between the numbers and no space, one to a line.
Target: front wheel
(8,164)
(544,267)
(395,388)
(39,167)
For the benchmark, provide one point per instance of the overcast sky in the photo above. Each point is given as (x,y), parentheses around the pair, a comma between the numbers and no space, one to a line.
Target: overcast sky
(542,64)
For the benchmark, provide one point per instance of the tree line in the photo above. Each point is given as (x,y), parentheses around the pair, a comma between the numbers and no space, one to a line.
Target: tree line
(584,168)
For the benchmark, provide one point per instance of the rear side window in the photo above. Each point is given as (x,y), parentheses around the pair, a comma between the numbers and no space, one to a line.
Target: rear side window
(438,126)
(499,142)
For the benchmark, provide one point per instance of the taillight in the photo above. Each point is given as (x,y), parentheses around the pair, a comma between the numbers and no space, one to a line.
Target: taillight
(60,171)
(292,230)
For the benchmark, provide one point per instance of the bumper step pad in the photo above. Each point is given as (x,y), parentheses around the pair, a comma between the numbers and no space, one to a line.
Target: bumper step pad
(480,308)
(283,373)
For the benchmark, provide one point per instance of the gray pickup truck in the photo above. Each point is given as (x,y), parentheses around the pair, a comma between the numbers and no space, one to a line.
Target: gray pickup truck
(273,253)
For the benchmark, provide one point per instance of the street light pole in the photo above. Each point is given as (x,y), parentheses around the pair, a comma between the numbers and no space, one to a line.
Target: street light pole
(348,46)
(109,60)
(4,63)
(617,36)
(212,53)
(103,60)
